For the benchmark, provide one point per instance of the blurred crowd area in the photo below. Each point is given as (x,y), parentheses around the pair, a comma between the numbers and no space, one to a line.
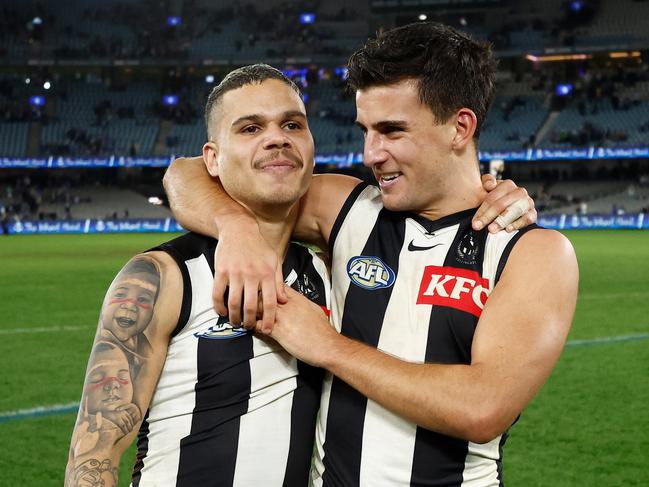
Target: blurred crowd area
(236,31)
(134,112)
(130,78)
(609,187)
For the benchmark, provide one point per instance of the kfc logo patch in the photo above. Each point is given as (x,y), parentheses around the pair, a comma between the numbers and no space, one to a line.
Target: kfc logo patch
(461,289)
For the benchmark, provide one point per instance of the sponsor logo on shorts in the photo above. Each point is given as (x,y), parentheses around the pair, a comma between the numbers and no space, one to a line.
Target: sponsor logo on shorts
(461,289)
(370,272)
(222,330)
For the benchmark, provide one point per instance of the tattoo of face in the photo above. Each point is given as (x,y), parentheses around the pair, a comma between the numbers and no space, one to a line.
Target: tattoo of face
(109,385)
(110,407)
(129,307)
(93,473)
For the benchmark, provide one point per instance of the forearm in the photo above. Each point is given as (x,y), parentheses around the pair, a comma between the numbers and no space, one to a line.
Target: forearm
(98,469)
(199,202)
(455,400)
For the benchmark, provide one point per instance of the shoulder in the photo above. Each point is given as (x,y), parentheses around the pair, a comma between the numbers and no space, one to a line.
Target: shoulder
(188,245)
(542,240)
(542,252)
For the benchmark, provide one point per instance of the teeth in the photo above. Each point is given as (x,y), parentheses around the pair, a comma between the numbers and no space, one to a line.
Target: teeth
(125,321)
(390,177)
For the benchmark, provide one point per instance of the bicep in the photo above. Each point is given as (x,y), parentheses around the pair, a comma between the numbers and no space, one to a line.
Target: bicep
(320,206)
(526,320)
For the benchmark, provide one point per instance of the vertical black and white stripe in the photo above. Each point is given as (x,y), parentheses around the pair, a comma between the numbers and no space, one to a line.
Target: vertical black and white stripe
(230,409)
(358,442)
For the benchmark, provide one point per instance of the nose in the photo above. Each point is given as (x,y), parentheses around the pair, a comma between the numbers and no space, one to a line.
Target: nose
(276,138)
(111,384)
(374,151)
(129,304)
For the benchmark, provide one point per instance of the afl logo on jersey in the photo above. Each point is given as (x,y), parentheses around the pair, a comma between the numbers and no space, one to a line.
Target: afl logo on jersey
(370,272)
(222,330)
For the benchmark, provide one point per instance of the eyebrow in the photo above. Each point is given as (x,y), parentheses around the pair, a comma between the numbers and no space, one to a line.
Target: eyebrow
(259,118)
(384,124)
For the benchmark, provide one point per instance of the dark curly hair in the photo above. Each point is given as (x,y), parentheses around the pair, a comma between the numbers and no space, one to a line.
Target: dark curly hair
(453,70)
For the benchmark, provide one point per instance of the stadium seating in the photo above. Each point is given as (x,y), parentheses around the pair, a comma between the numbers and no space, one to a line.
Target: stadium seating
(109,64)
(13,139)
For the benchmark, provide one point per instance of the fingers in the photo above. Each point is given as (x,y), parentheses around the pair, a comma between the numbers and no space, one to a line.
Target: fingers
(486,213)
(250,303)
(125,423)
(497,202)
(134,411)
(526,219)
(279,285)
(261,328)
(234,293)
(269,306)
(218,293)
(489,182)
(514,206)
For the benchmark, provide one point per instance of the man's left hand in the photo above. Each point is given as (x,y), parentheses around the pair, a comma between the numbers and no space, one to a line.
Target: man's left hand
(506,200)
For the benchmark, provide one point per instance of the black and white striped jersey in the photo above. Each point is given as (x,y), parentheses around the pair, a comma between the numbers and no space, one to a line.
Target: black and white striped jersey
(413,288)
(230,409)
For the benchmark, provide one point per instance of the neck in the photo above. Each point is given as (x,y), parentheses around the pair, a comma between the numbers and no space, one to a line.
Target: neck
(276,226)
(461,189)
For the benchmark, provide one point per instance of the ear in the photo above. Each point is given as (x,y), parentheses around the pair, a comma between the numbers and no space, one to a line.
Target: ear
(465,126)
(211,158)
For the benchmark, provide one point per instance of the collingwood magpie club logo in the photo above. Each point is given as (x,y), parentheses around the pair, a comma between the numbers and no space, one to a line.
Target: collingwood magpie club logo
(467,249)
(370,272)
(222,330)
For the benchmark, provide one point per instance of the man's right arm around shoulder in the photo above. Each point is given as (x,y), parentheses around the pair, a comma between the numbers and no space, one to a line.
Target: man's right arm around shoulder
(199,202)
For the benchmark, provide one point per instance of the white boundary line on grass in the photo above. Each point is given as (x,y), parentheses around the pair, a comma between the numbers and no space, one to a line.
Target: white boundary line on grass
(39,411)
(73,406)
(604,340)
(43,329)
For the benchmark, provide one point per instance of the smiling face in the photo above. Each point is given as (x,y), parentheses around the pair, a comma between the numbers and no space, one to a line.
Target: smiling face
(109,380)
(261,147)
(129,308)
(409,152)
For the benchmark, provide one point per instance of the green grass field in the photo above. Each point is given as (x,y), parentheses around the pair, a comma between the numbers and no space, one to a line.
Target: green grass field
(589,426)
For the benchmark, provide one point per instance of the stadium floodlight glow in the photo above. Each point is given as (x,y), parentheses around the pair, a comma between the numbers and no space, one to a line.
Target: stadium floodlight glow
(307,18)
(155,200)
(173,21)
(563,89)
(576,5)
(47,85)
(557,57)
(37,21)
(422,17)
(170,100)
(623,54)
(27,81)
(37,101)
(209,78)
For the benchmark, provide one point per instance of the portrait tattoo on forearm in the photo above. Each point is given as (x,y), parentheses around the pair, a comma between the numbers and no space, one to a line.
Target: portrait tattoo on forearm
(109,409)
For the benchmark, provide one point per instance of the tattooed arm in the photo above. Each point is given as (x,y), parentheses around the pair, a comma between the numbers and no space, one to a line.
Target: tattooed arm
(139,312)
